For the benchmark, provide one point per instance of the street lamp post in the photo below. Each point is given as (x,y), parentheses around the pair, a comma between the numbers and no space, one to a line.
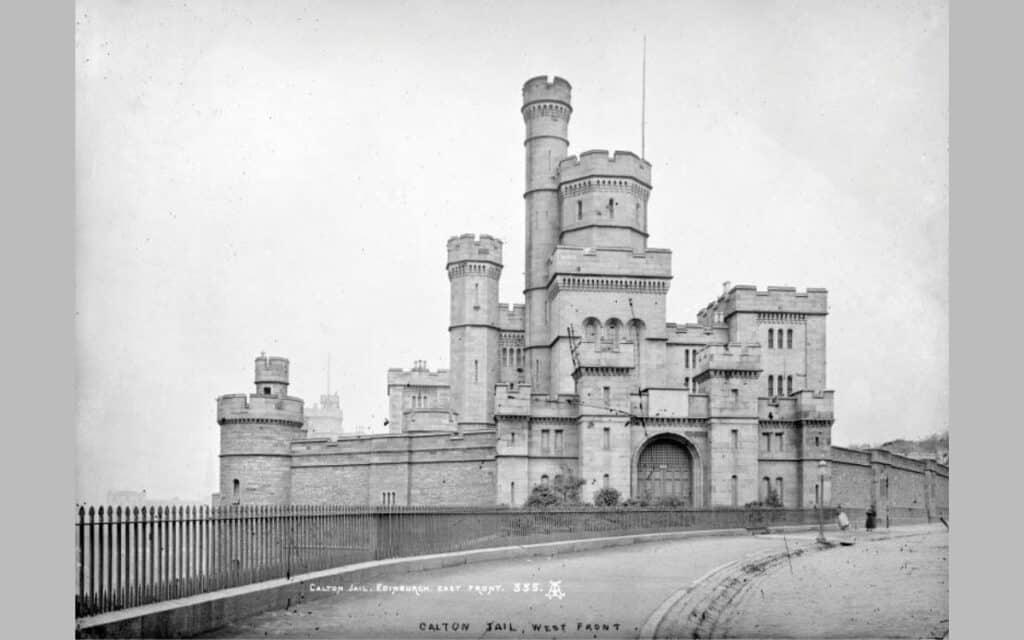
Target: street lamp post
(821,500)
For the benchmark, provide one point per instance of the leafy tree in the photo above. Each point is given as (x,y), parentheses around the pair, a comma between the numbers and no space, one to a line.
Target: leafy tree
(565,490)
(607,497)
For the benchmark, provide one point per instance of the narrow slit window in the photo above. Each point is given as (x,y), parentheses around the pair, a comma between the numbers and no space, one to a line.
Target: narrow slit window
(606,442)
(789,385)
(579,209)
(607,481)
(771,338)
(771,386)
(476,371)
(789,338)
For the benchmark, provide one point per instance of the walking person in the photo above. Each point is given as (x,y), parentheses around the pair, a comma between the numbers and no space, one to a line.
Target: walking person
(842,519)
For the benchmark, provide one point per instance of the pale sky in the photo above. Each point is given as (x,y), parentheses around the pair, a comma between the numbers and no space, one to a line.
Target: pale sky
(283,177)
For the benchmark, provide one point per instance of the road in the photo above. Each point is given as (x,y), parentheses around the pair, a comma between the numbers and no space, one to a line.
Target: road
(607,593)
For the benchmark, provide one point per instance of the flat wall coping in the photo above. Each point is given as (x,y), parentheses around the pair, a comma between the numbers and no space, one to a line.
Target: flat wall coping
(197,614)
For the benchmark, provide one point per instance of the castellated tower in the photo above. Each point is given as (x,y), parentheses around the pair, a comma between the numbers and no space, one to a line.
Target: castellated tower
(255,435)
(546,111)
(474,270)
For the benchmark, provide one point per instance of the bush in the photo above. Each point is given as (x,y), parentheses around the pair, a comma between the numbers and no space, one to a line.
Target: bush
(542,496)
(606,497)
(635,502)
(565,490)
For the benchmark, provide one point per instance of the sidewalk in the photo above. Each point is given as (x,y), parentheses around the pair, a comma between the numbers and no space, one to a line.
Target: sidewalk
(889,584)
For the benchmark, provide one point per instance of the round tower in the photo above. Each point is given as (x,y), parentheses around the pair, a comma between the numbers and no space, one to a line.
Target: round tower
(256,432)
(547,106)
(474,271)
(604,199)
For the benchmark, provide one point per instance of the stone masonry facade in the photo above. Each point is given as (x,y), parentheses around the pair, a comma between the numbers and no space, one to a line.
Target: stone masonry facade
(585,376)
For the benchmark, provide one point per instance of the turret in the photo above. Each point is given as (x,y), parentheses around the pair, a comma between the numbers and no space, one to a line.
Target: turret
(474,270)
(547,107)
(256,432)
(604,199)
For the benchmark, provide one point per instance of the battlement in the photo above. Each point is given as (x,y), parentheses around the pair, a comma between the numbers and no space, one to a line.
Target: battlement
(624,261)
(599,163)
(418,376)
(543,88)
(512,317)
(271,369)
(239,406)
(802,405)
(734,356)
(746,298)
(471,248)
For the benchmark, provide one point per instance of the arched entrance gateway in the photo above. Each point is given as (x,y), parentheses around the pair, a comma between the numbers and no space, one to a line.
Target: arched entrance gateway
(665,468)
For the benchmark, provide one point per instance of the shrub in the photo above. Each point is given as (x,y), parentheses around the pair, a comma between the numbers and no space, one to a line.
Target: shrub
(635,502)
(606,497)
(542,496)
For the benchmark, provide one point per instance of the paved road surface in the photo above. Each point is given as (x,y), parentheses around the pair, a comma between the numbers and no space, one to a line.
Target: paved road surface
(613,590)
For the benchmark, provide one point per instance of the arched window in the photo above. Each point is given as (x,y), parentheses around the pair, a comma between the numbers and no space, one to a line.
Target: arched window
(735,491)
(687,356)
(613,330)
(235,487)
(606,481)
(766,488)
(778,490)
(789,338)
(590,328)
(544,480)
(771,386)
(789,385)
(611,207)
(636,330)
(771,338)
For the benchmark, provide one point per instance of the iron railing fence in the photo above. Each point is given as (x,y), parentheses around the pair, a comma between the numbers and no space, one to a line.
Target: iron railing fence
(131,556)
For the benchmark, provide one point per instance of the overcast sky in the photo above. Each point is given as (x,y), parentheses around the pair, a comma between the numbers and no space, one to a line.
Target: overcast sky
(283,177)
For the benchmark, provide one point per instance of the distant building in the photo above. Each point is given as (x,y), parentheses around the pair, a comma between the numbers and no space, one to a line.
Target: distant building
(586,376)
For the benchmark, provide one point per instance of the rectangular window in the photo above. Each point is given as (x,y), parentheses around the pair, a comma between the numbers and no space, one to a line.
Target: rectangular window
(545,440)
(735,491)
(767,441)
(789,338)
(512,493)
(606,443)
(476,371)
(607,481)
(778,442)
(735,395)
(558,441)
(778,490)
(607,395)
(735,438)
(771,338)
(687,354)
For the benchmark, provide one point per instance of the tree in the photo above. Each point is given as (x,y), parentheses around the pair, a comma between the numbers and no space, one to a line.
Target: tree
(564,490)
(607,497)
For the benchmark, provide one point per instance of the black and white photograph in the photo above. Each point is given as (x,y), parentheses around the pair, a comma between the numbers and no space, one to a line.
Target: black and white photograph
(453,319)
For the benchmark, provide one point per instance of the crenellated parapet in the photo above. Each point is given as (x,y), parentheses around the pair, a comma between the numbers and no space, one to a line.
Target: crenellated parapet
(582,261)
(511,317)
(470,255)
(800,406)
(605,170)
(239,407)
(773,304)
(418,376)
(733,359)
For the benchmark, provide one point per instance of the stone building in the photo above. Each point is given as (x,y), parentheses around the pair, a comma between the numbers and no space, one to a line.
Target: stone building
(585,376)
